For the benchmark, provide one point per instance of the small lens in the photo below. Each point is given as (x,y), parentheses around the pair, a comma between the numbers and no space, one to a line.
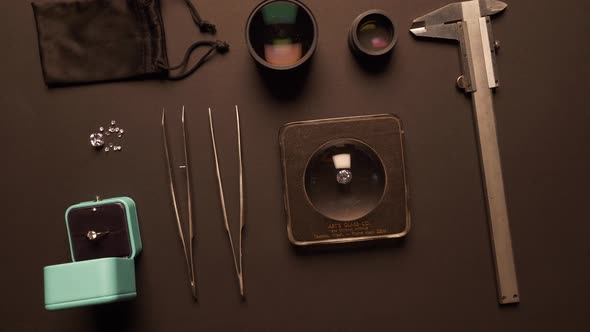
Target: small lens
(281,33)
(375,32)
(372,35)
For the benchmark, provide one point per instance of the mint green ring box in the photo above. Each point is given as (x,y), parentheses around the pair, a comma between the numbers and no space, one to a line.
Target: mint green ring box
(103,269)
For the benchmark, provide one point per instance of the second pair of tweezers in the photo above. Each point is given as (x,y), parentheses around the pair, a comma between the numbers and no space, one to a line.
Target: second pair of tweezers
(237,258)
(188,249)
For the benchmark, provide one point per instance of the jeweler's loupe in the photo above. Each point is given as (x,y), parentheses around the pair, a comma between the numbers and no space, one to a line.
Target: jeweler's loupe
(344,180)
(281,35)
(372,34)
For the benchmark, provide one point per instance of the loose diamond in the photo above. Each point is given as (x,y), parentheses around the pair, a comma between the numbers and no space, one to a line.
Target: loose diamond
(96,140)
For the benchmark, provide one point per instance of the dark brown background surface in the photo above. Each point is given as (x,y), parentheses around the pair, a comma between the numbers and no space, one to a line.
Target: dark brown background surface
(441,278)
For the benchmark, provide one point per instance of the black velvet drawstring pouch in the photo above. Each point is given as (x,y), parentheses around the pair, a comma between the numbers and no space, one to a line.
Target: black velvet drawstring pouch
(87,41)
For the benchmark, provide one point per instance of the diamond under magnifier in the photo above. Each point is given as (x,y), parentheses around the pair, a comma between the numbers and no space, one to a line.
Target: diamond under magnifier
(344,176)
(96,140)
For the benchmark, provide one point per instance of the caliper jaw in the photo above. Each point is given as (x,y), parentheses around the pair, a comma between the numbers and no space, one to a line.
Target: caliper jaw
(491,7)
(448,14)
(448,23)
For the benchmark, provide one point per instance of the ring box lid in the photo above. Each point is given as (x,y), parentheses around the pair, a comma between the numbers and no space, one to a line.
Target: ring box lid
(115,219)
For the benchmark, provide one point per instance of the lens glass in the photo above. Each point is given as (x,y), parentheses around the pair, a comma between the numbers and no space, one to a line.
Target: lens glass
(281,33)
(344,180)
(375,32)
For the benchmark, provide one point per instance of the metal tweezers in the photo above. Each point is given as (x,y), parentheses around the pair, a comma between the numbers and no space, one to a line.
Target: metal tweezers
(188,254)
(237,261)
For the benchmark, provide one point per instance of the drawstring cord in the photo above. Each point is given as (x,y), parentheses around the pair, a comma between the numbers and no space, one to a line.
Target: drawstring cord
(204,26)
(214,46)
(218,46)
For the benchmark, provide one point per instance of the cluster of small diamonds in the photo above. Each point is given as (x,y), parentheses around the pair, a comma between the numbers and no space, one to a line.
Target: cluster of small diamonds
(98,139)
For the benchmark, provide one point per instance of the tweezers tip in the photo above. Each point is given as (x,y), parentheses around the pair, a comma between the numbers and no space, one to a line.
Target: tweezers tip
(241,283)
(194,293)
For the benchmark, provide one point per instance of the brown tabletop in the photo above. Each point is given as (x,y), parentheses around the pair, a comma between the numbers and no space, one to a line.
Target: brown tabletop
(440,278)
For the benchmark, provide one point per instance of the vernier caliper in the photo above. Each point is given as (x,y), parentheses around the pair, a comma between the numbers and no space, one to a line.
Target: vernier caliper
(469,23)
